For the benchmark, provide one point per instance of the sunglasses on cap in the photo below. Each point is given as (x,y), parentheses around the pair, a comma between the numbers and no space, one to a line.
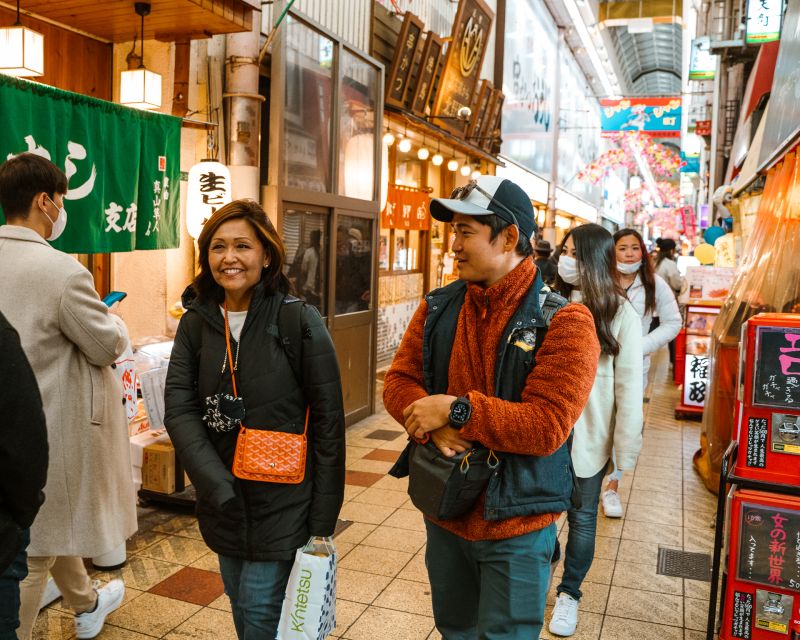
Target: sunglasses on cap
(462,193)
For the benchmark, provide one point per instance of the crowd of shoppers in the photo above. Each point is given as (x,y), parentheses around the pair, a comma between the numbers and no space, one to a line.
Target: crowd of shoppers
(475,371)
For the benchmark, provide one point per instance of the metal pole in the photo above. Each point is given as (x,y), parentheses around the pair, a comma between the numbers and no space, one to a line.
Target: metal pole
(549,231)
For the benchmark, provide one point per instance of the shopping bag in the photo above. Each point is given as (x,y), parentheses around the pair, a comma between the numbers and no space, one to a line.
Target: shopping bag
(309,608)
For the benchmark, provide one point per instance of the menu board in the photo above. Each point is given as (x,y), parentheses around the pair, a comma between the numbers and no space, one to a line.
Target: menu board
(709,284)
(777,370)
(768,542)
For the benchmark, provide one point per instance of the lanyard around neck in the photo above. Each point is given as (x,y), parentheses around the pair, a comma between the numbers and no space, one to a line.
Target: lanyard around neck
(228,346)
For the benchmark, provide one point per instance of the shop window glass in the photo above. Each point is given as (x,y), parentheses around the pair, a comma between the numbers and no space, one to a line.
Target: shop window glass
(383,249)
(408,172)
(307,108)
(305,236)
(406,253)
(353,264)
(359,95)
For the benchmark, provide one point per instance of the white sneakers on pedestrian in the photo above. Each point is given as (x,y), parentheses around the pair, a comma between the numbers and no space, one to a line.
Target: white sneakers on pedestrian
(612,506)
(109,598)
(564,620)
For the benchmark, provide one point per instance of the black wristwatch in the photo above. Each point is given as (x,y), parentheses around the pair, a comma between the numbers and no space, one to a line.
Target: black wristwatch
(460,412)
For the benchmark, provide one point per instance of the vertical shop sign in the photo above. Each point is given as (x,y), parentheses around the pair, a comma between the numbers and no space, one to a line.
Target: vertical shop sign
(122,164)
(479,110)
(702,63)
(426,73)
(530,74)
(777,379)
(768,547)
(403,62)
(492,121)
(695,385)
(757,431)
(209,190)
(763,21)
(462,63)
(406,208)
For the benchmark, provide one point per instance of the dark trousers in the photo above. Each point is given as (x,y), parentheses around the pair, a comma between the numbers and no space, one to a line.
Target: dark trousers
(489,589)
(9,589)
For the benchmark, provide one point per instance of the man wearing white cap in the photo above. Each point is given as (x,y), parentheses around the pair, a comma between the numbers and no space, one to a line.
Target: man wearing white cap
(491,362)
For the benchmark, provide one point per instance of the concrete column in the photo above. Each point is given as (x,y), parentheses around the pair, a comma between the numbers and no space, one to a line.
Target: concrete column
(549,231)
(243,110)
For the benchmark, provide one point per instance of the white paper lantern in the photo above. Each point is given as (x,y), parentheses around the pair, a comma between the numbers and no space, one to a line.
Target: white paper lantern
(209,190)
(358,167)
(21,52)
(140,88)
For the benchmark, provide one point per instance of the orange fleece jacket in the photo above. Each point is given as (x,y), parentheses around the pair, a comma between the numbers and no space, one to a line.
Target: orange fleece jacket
(555,392)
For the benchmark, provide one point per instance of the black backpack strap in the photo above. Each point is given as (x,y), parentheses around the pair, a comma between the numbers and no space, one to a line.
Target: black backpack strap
(290,327)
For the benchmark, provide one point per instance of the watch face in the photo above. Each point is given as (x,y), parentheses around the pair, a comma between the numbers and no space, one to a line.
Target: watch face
(460,412)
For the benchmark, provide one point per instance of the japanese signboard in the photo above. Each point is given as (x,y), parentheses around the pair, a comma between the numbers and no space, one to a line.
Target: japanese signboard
(757,433)
(709,284)
(406,208)
(696,378)
(697,375)
(490,129)
(480,109)
(742,617)
(426,73)
(462,64)
(659,117)
(209,190)
(703,64)
(763,21)
(123,165)
(768,546)
(777,370)
(702,127)
(530,76)
(400,71)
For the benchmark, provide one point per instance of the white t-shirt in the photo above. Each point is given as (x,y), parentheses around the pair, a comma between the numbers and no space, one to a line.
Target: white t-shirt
(235,322)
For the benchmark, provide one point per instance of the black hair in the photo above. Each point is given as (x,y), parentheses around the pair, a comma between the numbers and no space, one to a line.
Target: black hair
(666,249)
(25,176)
(600,292)
(496,224)
(646,272)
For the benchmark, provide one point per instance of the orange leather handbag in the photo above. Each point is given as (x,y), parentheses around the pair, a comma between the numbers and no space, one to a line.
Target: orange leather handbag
(263,455)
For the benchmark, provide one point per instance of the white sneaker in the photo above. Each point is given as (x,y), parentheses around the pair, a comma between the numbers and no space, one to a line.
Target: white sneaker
(564,620)
(612,506)
(109,598)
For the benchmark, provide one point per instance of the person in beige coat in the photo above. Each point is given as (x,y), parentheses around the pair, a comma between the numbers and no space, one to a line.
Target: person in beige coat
(70,340)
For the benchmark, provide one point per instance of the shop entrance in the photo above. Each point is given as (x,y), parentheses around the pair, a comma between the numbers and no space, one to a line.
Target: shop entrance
(329,262)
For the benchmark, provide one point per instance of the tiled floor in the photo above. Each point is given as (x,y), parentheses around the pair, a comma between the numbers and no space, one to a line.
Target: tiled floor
(174,590)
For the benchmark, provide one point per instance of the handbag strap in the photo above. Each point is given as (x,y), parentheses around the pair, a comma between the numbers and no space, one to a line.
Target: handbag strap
(233,374)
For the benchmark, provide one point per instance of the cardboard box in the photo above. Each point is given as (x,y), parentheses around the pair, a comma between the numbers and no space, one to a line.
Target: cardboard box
(158,467)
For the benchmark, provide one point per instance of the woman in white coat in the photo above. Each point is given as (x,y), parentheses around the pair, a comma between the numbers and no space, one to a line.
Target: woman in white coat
(70,340)
(612,418)
(650,295)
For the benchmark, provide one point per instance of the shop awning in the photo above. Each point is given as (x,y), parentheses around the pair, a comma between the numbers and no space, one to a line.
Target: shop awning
(535,186)
(575,206)
(749,170)
(116,21)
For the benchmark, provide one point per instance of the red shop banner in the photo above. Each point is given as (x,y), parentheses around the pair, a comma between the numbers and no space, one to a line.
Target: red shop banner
(406,208)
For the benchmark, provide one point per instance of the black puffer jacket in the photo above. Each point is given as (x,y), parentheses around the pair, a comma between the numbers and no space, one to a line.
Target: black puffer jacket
(241,518)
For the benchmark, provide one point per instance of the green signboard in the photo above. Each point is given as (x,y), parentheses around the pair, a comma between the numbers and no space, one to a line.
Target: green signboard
(123,165)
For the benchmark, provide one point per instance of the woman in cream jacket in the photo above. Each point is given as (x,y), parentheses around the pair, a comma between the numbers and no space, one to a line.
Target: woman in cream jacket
(612,418)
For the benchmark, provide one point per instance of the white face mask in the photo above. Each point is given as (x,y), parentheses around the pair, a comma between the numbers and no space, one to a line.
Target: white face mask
(629,269)
(568,269)
(60,222)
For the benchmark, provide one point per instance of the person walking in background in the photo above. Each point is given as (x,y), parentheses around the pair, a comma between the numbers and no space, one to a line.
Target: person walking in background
(23,470)
(612,417)
(667,268)
(71,341)
(247,354)
(649,294)
(544,262)
(489,569)
(310,268)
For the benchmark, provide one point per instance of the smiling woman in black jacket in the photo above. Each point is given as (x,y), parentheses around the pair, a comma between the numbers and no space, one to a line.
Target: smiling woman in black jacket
(283,362)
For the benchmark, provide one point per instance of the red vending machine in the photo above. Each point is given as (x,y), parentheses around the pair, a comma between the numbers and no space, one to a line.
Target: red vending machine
(762,595)
(768,407)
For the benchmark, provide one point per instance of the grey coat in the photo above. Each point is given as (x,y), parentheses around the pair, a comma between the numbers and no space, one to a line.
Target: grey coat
(71,340)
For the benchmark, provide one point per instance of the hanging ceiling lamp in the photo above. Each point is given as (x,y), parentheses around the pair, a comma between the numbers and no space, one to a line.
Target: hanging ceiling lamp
(437,159)
(452,164)
(21,50)
(140,87)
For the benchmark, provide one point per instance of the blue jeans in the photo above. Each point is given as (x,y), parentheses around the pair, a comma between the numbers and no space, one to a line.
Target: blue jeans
(9,589)
(582,531)
(256,591)
(489,589)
